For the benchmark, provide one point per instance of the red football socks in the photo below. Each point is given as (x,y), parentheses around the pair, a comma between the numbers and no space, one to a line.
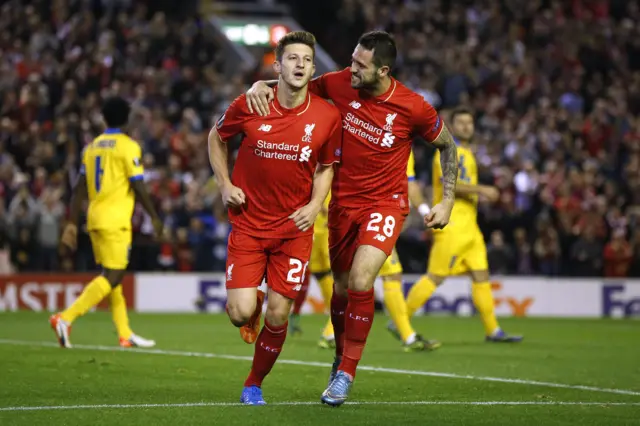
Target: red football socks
(302,296)
(358,321)
(267,350)
(338,309)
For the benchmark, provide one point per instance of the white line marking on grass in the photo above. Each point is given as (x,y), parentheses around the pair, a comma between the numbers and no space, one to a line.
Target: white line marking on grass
(327,365)
(293,403)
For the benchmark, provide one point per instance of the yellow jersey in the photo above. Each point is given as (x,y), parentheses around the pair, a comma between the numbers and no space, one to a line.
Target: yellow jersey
(465,209)
(110,163)
(321,224)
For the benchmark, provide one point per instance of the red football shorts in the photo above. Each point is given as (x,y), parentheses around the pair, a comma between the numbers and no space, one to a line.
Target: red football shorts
(350,228)
(282,261)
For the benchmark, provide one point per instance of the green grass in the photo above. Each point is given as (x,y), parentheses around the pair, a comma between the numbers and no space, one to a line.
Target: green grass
(595,353)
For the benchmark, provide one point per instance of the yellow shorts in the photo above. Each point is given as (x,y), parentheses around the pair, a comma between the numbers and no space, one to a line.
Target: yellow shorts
(451,254)
(391,266)
(320,261)
(111,247)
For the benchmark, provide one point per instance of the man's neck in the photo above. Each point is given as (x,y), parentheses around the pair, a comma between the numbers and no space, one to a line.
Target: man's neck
(380,88)
(289,97)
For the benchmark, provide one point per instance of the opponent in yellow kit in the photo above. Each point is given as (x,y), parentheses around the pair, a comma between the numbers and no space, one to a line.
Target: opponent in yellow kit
(459,248)
(111,171)
(391,274)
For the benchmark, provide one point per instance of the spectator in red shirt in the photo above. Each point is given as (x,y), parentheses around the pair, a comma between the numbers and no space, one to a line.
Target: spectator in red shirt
(617,255)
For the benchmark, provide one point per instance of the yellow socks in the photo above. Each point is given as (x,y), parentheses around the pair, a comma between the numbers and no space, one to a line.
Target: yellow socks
(92,294)
(397,307)
(119,313)
(420,292)
(483,299)
(328,333)
(326,287)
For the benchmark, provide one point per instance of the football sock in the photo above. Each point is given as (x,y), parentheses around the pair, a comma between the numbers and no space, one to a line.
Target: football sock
(358,321)
(301,297)
(266,352)
(397,307)
(420,292)
(92,294)
(338,309)
(119,312)
(483,299)
(327,332)
(326,287)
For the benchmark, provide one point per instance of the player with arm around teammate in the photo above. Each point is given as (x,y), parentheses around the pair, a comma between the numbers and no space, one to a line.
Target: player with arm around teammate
(282,175)
(380,118)
(111,176)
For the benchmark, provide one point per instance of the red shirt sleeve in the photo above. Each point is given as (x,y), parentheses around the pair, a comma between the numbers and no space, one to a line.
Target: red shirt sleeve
(319,85)
(331,151)
(426,121)
(231,122)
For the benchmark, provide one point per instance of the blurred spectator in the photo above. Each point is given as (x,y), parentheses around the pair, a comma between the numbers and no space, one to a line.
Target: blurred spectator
(617,255)
(500,254)
(586,255)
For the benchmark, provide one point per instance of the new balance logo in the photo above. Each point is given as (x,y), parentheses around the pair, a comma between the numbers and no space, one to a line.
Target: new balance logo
(305,154)
(380,238)
(355,105)
(297,287)
(230,272)
(387,140)
(265,127)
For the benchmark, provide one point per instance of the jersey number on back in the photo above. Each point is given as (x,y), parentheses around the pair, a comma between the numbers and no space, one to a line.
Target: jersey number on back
(99,173)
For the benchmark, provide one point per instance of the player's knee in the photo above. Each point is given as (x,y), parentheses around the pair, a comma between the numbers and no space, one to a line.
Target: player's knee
(277,315)
(360,281)
(239,314)
(436,279)
(320,275)
(114,276)
(341,284)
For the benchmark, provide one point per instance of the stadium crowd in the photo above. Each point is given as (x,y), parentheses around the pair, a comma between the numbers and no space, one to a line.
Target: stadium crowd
(554,85)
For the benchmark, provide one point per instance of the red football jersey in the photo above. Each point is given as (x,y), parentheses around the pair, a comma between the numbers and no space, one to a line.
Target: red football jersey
(377,135)
(277,161)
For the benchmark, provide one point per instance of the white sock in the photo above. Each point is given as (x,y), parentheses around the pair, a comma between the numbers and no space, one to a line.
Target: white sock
(411,339)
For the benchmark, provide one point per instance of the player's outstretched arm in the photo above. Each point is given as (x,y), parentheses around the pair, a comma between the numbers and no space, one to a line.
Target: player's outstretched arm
(232,196)
(439,216)
(305,217)
(79,195)
(142,195)
(491,193)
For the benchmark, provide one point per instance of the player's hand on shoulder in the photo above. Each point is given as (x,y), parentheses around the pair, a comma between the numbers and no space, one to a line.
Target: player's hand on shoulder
(305,217)
(490,193)
(69,238)
(439,215)
(232,196)
(258,98)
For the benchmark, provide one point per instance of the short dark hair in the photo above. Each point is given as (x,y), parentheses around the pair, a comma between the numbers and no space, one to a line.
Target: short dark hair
(383,46)
(115,111)
(295,37)
(460,111)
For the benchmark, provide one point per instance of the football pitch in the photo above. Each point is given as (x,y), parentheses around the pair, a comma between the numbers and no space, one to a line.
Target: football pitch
(566,372)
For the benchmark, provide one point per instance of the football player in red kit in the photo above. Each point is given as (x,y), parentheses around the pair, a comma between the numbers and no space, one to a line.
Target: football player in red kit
(380,118)
(281,177)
